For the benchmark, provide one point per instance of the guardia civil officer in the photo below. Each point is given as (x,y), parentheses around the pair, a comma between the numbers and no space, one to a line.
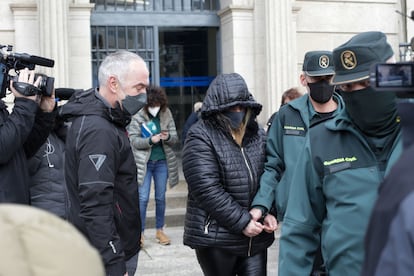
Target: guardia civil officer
(342,165)
(287,134)
(289,130)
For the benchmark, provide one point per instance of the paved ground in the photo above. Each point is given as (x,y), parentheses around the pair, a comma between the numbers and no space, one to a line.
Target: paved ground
(179,260)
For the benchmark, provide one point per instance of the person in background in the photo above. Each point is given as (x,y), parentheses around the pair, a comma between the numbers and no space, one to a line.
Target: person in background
(342,164)
(22,132)
(191,120)
(152,134)
(40,244)
(287,96)
(100,170)
(46,170)
(289,131)
(223,159)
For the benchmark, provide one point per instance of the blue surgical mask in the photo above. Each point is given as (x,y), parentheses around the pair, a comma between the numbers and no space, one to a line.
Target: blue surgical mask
(235,118)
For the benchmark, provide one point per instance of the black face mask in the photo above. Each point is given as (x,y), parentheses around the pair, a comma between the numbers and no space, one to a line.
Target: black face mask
(132,104)
(235,118)
(321,91)
(375,113)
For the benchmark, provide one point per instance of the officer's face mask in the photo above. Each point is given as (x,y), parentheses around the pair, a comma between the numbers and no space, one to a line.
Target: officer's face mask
(321,91)
(375,113)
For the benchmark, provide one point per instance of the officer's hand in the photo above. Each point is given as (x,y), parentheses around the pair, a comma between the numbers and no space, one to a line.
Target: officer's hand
(26,76)
(269,223)
(252,229)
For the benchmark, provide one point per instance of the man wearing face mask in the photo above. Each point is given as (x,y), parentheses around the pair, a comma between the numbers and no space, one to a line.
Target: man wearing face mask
(342,164)
(100,170)
(289,131)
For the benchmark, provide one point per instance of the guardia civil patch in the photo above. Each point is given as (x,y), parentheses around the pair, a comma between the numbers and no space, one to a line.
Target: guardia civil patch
(324,61)
(348,59)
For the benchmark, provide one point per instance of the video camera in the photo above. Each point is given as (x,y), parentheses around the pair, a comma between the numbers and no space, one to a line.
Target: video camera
(10,60)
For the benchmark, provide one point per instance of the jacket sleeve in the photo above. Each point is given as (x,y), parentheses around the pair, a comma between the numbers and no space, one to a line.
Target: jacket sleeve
(172,131)
(300,236)
(16,128)
(44,123)
(135,134)
(205,184)
(397,256)
(274,165)
(98,155)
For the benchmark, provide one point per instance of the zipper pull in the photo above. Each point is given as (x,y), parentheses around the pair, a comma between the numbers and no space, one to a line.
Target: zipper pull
(206,228)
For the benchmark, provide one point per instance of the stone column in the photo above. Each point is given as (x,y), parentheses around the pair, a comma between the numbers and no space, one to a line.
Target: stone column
(53,19)
(237,34)
(26,30)
(280,51)
(79,29)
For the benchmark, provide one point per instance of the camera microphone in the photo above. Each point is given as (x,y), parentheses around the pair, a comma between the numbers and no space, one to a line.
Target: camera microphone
(34,59)
(65,93)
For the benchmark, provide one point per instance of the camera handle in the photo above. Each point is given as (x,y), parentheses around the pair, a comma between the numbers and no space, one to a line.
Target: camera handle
(26,89)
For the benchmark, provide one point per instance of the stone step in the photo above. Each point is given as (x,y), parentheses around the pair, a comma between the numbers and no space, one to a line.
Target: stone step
(173,217)
(176,201)
(172,200)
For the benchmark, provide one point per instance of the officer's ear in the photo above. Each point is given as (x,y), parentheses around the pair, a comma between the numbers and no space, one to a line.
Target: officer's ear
(303,80)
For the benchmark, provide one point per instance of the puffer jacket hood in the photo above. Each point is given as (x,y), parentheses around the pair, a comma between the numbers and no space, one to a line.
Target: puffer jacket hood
(41,244)
(83,102)
(225,91)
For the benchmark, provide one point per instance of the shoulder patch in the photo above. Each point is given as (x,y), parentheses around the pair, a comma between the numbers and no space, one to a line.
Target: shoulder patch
(97,160)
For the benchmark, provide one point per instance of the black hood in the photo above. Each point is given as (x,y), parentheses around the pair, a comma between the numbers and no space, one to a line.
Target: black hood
(89,102)
(228,90)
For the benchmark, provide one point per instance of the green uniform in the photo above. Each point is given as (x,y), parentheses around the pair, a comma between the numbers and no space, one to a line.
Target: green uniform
(285,141)
(331,197)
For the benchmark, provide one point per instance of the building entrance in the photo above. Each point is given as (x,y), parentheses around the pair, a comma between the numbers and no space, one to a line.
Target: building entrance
(187,59)
(177,39)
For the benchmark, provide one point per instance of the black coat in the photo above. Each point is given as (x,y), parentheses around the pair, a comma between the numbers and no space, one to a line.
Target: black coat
(48,185)
(101,179)
(21,134)
(223,177)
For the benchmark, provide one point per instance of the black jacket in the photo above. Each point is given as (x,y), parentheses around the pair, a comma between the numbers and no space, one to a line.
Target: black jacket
(223,177)
(101,179)
(21,134)
(389,241)
(48,185)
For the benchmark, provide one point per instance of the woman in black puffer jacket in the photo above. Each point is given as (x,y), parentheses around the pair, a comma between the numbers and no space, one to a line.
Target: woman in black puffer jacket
(223,159)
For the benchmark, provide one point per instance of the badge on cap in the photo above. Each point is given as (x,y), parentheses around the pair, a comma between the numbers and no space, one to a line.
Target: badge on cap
(348,60)
(324,61)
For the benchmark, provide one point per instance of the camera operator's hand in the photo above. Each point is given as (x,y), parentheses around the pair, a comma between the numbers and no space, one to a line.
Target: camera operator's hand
(47,104)
(26,76)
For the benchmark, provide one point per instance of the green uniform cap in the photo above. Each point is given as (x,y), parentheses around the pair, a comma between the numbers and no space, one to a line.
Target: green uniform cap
(318,63)
(353,59)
